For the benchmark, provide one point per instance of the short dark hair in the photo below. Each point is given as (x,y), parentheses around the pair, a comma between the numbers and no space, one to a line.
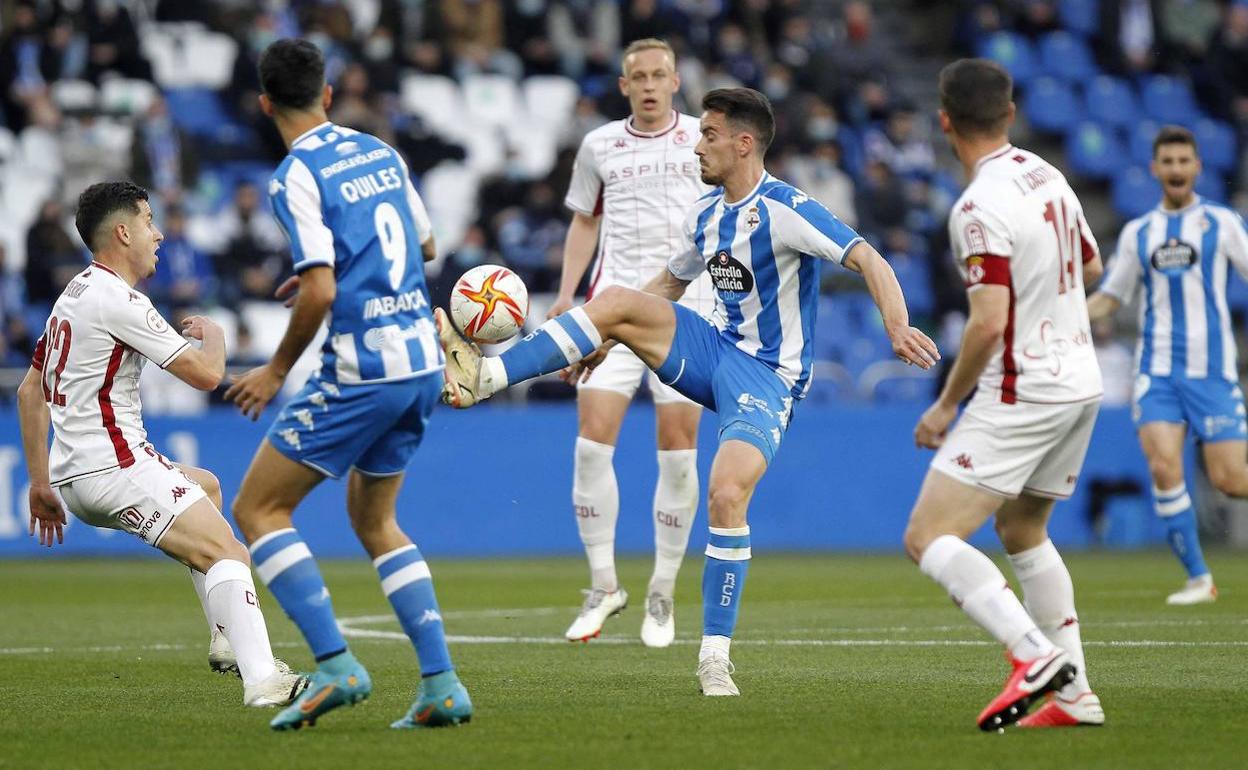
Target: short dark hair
(746,108)
(1174,135)
(98,202)
(292,73)
(976,95)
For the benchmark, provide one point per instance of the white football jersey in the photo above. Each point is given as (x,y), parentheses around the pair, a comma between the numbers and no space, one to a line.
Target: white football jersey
(642,185)
(1020,225)
(90,356)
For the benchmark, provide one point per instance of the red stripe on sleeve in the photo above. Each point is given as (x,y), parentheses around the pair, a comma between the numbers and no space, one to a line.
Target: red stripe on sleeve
(41,353)
(124,456)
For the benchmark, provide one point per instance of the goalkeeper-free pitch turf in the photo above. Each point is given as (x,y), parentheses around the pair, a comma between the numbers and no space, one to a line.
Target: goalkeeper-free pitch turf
(842,661)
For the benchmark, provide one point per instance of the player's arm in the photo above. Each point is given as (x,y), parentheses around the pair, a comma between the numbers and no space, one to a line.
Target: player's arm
(1093,266)
(34,419)
(1122,281)
(204,368)
(909,344)
(578,252)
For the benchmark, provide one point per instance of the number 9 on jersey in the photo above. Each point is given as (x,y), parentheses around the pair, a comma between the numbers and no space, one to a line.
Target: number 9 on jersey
(489,304)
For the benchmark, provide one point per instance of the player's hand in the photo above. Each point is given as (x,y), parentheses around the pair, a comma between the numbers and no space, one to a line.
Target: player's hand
(934,425)
(253,390)
(288,292)
(45,508)
(195,326)
(914,347)
(583,369)
(561,306)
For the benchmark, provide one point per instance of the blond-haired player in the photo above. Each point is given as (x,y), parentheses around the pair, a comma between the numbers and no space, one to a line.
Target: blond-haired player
(633,183)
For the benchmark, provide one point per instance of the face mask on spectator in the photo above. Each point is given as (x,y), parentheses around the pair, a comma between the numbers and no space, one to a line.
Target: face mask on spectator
(822,129)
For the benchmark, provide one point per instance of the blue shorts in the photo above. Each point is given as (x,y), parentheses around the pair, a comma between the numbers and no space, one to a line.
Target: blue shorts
(1213,407)
(754,405)
(374,429)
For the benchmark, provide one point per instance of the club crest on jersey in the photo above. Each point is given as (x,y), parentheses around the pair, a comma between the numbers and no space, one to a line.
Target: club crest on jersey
(974,270)
(1173,256)
(729,275)
(680,137)
(155,322)
(752,219)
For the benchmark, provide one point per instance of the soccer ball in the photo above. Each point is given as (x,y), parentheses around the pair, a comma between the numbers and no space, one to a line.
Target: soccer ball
(489,304)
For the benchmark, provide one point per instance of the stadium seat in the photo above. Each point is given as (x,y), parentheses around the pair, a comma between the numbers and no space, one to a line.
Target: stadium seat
(916,282)
(485,147)
(1217,145)
(1168,99)
(1112,101)
(493,99)
(1051,106)
(74,95)
(532,145)
(40,151)
(435,98)
(831,383)
(894,381)
(8,144)
(126,96)
(1140,141)
(213,56)
(1067,56)
(1079,16)
(550,99)
(1211,185)
(450,193)
(198,111)
(1134,191)
(1094,151)
(1012,51)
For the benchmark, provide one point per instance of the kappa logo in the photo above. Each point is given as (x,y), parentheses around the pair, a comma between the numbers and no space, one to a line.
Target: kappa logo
(964,461)
(304,416)
(968,207)
(775,436)
(1072,478)
(178,493)
(291,436)
(429,616)
(799,198)
(331,389)
(318,399)
(346,148)
(275,187)
(620,144)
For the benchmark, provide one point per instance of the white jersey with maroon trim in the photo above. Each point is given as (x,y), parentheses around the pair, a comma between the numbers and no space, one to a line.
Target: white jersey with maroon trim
(642,185)
(1020,225)
(90,356)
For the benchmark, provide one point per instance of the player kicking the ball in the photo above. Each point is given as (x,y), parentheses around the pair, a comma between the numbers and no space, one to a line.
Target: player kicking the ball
(1026,253)
(762,242)
(354,222)
(633,182)
(84,380)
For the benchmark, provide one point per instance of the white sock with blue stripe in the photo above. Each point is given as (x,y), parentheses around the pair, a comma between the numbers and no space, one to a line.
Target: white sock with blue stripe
(1174,506)
(558,343)
(408,584)
(727,562)
(285,565)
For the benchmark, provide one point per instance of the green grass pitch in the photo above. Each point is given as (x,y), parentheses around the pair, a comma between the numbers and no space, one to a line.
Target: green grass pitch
(843,661)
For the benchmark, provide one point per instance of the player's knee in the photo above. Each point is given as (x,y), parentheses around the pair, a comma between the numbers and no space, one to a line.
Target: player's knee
(1166,469)
(726,503)
(1015,535)
(1228,481)
(611,305)
(916,540)
(212,488)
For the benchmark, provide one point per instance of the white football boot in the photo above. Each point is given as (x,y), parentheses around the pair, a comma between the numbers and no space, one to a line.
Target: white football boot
(1199,590)
(715,676)
(220,655)
(279,689)
(463,364)
(658,628)
(599,605)
(1085,710)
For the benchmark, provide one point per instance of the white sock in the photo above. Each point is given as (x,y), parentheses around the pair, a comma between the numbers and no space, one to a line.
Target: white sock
(234,608)
(492,377)
(714,645)
(978,587)
(596,501)
(675,506)
(197,580)
(1049,596)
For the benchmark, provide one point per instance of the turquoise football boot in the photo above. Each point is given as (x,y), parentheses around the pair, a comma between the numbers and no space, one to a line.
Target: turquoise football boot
(441,701)
(325,693)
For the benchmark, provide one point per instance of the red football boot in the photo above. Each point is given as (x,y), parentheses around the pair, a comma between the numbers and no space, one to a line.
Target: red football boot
(1083,711)
(1029,681)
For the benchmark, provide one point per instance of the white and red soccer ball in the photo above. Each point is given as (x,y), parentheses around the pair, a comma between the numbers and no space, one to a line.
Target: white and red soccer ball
(489,304)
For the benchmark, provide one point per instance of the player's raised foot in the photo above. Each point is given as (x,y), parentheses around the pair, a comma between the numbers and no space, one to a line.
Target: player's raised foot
(325,692)
(441,701)
(221,656)
(463,364)
(1083,711)
(282,687)
(715,676)
(1199,590)
(658,627)
(598,606)
(1028,682)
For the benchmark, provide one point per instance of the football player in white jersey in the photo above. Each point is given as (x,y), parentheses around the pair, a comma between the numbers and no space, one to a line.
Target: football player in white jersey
(633,183)
(762,242)
(84,381)
(1176,256)
(1025,252)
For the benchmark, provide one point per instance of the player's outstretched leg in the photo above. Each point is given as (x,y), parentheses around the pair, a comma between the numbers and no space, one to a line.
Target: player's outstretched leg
(1174,507)
(597,504)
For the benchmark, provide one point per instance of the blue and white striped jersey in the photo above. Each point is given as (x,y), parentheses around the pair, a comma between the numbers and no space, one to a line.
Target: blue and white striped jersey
(345,200)
(762,254)
(1179,259)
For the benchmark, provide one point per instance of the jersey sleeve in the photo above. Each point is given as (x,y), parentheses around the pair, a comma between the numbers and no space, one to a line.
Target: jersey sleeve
(687,263)
(982,243)
(297,203)
(585,190)
(1088,246)
(41,353)
(1237,243)
(806,226)
(1124,271)
(420,216)
(135,323)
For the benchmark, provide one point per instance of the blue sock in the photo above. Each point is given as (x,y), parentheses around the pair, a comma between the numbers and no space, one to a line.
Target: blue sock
(1174,506)
(406,582)
(723,577)
(285,565)
(558,343)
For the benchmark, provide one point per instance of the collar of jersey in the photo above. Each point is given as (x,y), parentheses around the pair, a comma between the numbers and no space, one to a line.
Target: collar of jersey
(1180,212)
(993,156)
(310,132)
(106,268)
(751,195)
(628,126)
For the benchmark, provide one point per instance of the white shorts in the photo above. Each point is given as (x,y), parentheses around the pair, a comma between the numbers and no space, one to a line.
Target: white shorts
(621,373)
(143,499)
(1009,449)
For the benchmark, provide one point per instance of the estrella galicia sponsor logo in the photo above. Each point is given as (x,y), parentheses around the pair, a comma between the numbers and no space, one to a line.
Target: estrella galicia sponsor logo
(1173,256)
(729,275)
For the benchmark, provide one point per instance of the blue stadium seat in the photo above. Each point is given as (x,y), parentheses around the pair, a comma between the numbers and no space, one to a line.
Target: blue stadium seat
(1134,192)
(1140,140)
(1211,185)
(915,278)
(1079,16)
(1217,145)
(1169,99)
(1094,151)
(1012,51)
(1067,56)
(199,112)
(1051,106)
(1112,101)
